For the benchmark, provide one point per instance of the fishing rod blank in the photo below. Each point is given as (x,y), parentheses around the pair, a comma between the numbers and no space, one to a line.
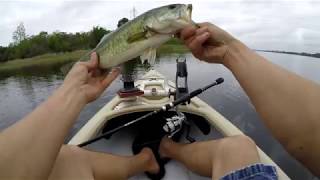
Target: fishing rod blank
(164,108)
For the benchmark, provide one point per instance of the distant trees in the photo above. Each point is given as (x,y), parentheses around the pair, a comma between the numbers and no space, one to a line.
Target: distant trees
(4,53)
(19,34)
(24,47)
(95,35)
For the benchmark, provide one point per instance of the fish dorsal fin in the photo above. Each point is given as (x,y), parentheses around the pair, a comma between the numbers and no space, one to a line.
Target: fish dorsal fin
(149,55)
(137,37)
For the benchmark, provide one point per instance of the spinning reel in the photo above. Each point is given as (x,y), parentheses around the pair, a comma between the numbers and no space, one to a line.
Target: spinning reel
(177,122)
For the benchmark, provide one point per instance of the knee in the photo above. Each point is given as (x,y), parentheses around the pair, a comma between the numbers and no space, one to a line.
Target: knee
(70,152)
(64,154)
(233,153)
(243,140)
(66,150)
(239,144)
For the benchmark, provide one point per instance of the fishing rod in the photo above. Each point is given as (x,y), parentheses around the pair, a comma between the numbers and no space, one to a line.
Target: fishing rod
(164,108)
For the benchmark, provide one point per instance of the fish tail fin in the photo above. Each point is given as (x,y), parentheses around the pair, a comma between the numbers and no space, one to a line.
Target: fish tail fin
(66,68)
(86,57)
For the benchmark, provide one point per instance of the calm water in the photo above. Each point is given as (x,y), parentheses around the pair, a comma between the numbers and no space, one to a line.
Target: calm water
(21,94)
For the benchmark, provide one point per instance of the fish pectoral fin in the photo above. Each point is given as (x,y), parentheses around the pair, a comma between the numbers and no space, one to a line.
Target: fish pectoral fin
(137,37)
(144,56)
(149,55)
(153,55)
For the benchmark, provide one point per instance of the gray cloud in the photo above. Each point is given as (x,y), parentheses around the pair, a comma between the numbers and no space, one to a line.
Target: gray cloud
(282,24)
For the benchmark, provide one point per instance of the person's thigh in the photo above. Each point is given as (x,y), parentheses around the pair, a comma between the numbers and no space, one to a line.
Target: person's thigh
(71,163)
(233,153)
(213,158)
(77,163)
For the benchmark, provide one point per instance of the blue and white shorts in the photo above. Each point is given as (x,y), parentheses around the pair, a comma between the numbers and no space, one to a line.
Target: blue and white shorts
(253,172)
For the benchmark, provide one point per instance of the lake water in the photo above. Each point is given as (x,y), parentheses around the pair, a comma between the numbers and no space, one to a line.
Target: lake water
(22,93)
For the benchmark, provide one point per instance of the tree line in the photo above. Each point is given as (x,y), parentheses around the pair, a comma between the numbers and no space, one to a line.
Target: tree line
(25,47)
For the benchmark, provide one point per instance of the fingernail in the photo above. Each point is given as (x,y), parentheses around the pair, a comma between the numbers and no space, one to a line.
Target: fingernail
(206,34)
(116,70)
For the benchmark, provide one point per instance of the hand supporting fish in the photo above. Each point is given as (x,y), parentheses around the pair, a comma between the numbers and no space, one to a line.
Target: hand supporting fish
(142,35)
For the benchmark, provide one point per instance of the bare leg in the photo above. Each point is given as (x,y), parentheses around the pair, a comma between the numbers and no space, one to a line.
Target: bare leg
(213,158)
(76,163)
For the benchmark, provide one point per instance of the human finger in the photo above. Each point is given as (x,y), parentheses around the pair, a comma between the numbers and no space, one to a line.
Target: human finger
(187,32)
(205,24)
(197,41)
(92,63)
(198,33)
(110,77)
(202,30)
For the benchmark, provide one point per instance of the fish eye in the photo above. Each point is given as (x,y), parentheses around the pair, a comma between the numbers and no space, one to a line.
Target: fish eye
(172,6)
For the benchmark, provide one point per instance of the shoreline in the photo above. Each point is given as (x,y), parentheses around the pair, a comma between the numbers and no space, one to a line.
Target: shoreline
(45,61)
(314,55)
(56,60)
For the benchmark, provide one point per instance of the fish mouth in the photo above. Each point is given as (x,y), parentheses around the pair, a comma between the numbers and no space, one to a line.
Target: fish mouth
(188,14)
(185,17)
(189,11)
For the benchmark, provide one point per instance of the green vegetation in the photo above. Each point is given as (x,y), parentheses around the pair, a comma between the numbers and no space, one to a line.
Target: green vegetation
(172,46)
(47,61)
(48,51)
(56,60)
(43,43)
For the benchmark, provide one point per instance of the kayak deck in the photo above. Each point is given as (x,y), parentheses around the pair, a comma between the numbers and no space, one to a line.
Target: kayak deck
(156,87)
(121,144)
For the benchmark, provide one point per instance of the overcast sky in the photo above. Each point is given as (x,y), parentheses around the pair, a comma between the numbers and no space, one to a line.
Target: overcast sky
(262,24)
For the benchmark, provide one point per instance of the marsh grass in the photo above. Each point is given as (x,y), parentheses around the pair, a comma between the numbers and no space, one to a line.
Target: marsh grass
(52,61)
(171,48)
(42,62)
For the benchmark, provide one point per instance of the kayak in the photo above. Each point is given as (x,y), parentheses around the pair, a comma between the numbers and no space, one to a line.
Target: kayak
(156,90)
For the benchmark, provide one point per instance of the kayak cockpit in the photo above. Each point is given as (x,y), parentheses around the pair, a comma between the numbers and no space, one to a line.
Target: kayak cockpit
(148,133)
(205,124)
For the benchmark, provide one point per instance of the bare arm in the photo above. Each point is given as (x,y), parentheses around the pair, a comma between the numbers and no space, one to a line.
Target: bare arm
(29,148)
(288,104)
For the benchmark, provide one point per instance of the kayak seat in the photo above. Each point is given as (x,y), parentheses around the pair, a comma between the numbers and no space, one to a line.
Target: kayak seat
(149,132)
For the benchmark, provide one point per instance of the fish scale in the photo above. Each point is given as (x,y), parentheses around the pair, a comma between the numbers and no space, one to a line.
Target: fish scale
(114,47)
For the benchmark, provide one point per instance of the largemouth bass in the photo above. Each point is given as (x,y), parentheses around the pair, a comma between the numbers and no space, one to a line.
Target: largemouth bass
(142,35)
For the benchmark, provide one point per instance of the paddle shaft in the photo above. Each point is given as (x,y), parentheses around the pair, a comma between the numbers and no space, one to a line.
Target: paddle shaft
(166,107)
